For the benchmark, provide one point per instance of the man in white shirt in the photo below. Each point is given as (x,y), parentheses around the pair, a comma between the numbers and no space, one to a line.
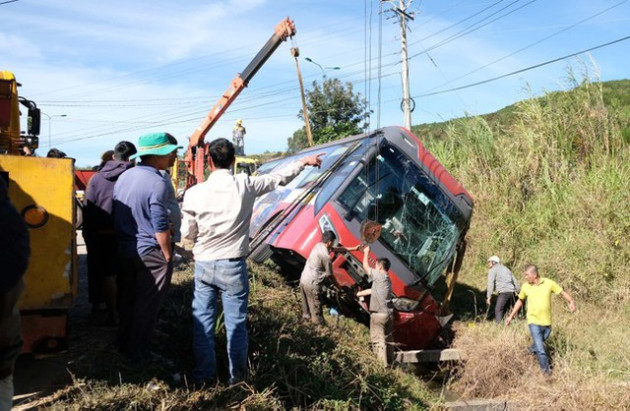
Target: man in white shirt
(216,216)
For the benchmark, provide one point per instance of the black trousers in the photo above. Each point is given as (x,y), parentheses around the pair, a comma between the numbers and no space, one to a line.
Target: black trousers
(102,261)
(504,301)
(143,286)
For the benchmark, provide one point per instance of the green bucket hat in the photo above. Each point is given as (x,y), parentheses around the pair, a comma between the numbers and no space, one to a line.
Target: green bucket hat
(156,144)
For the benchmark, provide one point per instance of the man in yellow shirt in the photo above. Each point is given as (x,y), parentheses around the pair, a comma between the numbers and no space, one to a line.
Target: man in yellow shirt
(537,290)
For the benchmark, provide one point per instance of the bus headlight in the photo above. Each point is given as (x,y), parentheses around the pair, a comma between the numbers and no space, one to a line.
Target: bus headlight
(325,224)
(405,304)
(35,216)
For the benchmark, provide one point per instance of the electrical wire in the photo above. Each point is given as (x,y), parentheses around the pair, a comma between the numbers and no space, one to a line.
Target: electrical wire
(457,23)
(529,45)
(472,28)
(524,69)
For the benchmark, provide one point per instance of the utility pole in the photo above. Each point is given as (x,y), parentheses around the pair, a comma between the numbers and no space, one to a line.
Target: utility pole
(295,52)
(407,105)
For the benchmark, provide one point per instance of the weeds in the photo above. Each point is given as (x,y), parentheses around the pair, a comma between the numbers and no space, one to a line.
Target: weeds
(293,364)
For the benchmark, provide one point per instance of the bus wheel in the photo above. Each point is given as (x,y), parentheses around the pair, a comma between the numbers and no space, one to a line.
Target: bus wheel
(261,253)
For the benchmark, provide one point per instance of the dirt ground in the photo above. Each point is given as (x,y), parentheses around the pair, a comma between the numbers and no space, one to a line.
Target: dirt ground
(37,377)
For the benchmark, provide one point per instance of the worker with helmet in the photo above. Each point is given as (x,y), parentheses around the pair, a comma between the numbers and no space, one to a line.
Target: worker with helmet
(238,138)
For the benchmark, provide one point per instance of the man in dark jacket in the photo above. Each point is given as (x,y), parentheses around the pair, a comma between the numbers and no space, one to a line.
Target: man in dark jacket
(98,231)
(14,253)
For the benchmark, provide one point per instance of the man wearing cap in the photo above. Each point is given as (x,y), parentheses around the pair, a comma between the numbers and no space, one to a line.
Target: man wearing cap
(144,243)
(216,215)
(501,279)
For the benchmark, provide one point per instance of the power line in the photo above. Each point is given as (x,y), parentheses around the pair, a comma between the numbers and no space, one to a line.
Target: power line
(525,69)
(472,29)
(456,23)
(529,45)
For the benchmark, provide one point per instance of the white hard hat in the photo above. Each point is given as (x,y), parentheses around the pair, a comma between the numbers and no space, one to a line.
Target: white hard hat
(494,259)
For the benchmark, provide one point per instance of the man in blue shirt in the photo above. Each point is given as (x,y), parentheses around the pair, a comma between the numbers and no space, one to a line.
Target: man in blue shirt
(144,243)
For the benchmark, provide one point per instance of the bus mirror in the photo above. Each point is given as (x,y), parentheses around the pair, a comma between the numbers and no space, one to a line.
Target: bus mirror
(34,121)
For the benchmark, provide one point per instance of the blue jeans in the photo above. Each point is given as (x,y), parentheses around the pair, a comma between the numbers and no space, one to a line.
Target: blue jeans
(228,277)
(540,333)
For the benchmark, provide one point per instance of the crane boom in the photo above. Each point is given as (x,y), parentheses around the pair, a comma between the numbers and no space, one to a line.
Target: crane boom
(197,150)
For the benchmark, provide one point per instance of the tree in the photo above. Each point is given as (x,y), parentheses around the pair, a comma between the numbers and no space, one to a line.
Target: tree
(298,141)
(334,111)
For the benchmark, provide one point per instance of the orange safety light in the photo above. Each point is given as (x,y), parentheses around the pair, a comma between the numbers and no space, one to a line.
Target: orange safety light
(35,216)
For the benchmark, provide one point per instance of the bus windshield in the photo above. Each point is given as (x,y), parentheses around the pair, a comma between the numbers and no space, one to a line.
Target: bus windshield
(420,224)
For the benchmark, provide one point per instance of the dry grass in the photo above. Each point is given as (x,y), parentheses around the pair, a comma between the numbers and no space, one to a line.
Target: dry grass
(501,368)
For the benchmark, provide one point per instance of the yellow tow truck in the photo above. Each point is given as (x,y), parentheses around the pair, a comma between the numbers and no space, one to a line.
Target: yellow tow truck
(42,190)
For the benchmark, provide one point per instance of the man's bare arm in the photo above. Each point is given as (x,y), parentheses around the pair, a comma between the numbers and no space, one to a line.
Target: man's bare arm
(517,307)
(569,299)
(164,240)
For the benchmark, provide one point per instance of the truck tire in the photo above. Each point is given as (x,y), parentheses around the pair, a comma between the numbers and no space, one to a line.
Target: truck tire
(261,253)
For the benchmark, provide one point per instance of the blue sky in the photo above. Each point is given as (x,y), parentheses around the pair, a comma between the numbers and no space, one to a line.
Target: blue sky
(120,69)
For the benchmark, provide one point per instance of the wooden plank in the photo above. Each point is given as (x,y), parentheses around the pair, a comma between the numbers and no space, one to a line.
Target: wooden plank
(419,356)
(481,405)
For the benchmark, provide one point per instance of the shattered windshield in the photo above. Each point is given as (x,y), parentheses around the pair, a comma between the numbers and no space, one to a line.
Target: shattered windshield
(420,224)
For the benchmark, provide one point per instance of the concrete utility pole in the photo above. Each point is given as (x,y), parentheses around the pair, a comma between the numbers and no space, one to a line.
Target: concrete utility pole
(401,12)
(295,52)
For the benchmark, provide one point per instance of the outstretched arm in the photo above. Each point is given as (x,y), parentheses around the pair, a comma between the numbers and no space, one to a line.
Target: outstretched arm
(342,249)
(569,299)
(517,307)
(366,262)
(363,293)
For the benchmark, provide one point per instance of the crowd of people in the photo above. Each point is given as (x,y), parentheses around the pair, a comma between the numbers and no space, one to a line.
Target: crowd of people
(132,222)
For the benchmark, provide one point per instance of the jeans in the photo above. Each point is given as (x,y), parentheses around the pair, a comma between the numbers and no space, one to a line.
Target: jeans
(540,333)
(229,278)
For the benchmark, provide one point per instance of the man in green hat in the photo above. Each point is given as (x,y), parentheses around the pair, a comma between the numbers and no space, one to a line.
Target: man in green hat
(141,222)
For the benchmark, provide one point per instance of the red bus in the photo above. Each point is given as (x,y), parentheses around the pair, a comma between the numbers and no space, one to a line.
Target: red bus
(386,176)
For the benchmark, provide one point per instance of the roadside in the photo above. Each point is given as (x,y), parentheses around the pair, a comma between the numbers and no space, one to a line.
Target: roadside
(38,376)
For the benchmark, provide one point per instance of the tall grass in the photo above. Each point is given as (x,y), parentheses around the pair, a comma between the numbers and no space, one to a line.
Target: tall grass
(551,185)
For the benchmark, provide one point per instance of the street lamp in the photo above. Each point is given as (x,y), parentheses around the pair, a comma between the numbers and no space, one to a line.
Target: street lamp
(49,124)
(323,69)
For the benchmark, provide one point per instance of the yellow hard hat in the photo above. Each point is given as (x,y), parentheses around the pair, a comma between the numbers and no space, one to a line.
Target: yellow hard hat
(239,121)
